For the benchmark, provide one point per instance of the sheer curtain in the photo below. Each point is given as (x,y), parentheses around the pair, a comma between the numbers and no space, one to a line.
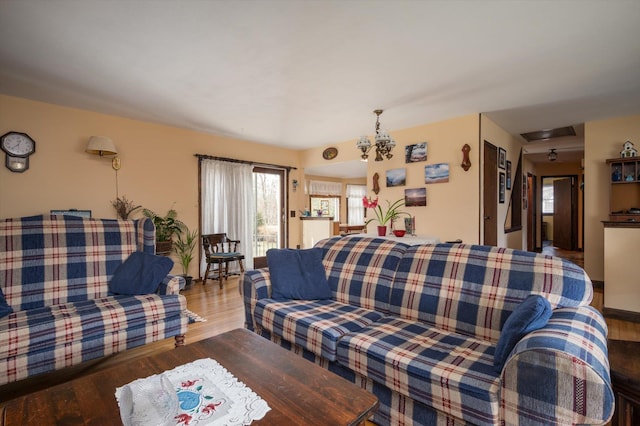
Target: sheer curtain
(228,204)
(355,193)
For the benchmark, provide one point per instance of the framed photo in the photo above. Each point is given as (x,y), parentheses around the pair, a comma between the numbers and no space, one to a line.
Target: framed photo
(416,197)
(508,174)
(502,158)
(436,173)
(501,188)
(416,152)
(72,212)
(396,177)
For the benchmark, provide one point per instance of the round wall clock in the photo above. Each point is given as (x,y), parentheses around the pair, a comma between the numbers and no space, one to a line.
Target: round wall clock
(17,147)
(330,153)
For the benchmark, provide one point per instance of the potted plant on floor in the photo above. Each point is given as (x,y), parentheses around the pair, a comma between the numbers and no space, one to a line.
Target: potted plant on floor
(183,247)
(166,227)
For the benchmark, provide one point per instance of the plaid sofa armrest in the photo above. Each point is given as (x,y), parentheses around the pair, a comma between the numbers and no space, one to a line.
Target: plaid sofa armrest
(256,285)
(172,284)
(560,373)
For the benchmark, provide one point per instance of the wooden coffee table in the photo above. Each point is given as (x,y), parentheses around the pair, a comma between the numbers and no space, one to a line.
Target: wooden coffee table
(298,391)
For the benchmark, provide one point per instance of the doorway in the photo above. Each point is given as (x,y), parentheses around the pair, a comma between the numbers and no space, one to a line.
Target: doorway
(490,197)
(270,218)
(560,212)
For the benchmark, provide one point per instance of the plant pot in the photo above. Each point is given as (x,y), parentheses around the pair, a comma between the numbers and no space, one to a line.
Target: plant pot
(382,231)
(164,247)
(188,279)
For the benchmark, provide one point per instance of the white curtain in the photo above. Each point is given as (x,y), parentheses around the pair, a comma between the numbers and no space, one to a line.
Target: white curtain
(318,187)
(355,193)
(228,204)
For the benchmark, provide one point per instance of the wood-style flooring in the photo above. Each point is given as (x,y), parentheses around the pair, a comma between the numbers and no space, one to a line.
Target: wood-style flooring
(224,311)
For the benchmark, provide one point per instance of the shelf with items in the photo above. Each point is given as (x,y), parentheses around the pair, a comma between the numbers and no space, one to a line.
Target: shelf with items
(624,189)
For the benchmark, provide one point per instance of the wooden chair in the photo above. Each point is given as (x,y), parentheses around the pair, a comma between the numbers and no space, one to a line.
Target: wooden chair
(219,250)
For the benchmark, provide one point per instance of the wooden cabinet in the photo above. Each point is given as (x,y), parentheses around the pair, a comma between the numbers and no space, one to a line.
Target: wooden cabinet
(624,192)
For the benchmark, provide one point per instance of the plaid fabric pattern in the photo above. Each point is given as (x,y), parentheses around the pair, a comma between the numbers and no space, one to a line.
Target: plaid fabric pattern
(48,260)
(256,285)
(472,290)
(316,325)
(361,270)
(566,371)
(449,372)
(54,272)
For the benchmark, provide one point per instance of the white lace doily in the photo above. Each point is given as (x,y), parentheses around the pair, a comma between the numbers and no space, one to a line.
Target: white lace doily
(208,395)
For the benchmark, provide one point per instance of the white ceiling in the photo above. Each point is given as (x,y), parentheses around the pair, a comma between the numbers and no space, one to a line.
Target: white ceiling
(304,74)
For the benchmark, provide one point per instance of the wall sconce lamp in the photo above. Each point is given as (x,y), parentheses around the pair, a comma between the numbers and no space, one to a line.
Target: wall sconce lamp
(294,184)
(102,145)
(553,156)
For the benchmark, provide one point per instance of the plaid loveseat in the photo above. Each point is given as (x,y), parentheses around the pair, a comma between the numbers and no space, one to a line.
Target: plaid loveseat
(418,327)
(54,273)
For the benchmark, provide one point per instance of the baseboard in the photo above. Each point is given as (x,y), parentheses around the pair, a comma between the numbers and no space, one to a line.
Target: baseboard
(619,314)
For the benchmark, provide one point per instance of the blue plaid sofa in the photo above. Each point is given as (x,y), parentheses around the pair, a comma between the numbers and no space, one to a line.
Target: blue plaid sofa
(418,327)
(54,273)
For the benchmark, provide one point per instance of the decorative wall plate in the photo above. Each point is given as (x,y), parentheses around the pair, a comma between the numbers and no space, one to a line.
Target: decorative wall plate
(330,153)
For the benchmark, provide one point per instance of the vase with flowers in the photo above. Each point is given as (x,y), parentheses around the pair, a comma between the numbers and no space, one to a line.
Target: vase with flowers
(384,216)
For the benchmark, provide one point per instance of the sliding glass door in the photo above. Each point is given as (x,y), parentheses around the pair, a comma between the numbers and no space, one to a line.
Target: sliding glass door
(270,217)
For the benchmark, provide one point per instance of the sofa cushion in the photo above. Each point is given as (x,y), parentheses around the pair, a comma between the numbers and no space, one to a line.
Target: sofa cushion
(360,270)
(447,371)
(141,273)
(5,309)
(315,325)
(472,290)
(55,326)
(530,315)
(297,274)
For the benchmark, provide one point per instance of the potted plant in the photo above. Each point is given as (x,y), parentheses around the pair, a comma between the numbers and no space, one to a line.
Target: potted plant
(166,227)
(183,246)
(383,217)
(124,207)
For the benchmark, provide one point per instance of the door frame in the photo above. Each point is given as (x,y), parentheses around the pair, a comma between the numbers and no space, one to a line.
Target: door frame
(261,261)
(490,194)
(574,207)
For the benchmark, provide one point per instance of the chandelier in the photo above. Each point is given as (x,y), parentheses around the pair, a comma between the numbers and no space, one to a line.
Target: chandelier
(384,142)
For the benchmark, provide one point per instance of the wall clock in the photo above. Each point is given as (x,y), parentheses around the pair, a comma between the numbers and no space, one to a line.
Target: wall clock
(330,153)
(17,147)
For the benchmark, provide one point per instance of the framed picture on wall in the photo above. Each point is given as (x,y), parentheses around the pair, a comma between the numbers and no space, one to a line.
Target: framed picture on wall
(502,158)
(508,174)
(502,188)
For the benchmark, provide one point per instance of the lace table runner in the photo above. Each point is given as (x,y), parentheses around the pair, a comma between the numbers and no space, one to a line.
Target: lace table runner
(207,393)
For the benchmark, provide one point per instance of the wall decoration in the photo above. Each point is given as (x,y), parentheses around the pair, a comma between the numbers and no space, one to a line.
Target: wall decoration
(502,158)
(501,188)
(376,183)
(415,153)
(436,173)
(415,197)
(396,177)
(330,153)
(466,162)
(508,174)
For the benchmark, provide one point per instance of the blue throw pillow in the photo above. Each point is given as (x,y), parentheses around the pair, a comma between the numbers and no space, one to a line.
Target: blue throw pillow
(5,309)
(141,273)
(297,274)
(530,315)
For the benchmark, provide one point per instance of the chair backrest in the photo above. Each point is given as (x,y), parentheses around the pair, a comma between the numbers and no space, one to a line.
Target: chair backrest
(218,243)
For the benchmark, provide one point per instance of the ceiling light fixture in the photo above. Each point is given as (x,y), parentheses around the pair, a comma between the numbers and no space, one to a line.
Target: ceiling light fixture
(552,155)
(384,142)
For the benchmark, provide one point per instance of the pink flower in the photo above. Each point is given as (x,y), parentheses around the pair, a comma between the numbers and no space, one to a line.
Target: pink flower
(368,204)
(183,418)
(210,408)
(189,383)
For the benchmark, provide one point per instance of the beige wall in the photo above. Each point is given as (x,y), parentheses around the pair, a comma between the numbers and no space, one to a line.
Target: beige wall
(159,169)
(497,136)
(452,208)
(603,140)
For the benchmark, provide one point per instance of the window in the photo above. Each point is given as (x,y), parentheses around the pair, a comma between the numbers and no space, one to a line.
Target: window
(355,209)
(547,196)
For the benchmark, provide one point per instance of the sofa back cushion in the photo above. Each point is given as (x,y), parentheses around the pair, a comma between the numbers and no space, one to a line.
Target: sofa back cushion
(47,260)
(472,289)
(360,270)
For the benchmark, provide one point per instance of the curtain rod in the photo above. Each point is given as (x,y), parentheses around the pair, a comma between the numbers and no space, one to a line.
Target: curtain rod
(234,160)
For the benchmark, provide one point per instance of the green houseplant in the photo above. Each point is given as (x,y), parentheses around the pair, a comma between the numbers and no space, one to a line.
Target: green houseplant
(183,246)
(383,217)
(166,227)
